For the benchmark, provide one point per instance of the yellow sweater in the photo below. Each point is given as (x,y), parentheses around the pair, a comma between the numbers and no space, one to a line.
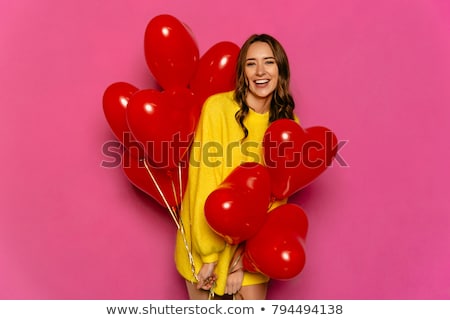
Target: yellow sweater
(216,151)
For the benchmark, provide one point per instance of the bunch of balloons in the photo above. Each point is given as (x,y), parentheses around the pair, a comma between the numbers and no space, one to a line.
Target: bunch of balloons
(239,209)
(156,126)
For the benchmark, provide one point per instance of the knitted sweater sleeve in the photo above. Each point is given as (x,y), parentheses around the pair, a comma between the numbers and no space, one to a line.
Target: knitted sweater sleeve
(205,172)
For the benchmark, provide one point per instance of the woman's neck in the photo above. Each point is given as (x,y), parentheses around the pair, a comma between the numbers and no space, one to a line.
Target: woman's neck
(259,105)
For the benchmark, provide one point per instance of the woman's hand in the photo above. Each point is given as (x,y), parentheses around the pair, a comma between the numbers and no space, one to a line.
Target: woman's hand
(206,276)
(234,281)
(236,272)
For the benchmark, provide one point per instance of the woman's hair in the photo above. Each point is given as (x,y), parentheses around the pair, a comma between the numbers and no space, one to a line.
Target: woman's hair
(282,104)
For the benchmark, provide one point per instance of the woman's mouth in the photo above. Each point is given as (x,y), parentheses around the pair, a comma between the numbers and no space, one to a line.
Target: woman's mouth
(261,82)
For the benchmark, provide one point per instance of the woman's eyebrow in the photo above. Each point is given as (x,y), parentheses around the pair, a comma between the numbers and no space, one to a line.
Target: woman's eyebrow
(265,58)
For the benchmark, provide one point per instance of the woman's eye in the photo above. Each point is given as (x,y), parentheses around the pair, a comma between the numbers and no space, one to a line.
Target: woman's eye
(270,62)
(249,64)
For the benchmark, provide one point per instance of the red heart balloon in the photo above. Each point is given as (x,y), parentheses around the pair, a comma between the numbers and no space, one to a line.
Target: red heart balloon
(216,71)
(277,249)
(170,51)
(164,122)
(115,101)
(168,181)
(238,207)
(294,156)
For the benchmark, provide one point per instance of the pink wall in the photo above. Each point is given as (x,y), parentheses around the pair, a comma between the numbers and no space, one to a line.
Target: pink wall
(376,72)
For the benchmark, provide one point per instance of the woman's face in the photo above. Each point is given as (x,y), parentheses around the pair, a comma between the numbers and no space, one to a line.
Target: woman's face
(261,71)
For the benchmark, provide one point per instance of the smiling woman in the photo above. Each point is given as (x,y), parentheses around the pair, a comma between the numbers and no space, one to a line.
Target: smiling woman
(263,79)
(235,118)
(261,72)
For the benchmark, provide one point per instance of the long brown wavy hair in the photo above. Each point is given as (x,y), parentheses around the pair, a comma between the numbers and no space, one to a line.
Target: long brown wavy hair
(282,104)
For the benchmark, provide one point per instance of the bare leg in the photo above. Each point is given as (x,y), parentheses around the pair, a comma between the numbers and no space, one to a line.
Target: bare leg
(196,294)
(253,292)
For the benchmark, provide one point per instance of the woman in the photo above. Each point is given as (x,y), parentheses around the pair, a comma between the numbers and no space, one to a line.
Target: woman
(230,131)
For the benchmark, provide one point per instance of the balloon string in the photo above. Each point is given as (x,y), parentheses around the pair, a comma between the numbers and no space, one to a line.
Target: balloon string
(178,222)
(180,180)
(188,250)
(211,292)
(175,195)
(183,234)
(171,211)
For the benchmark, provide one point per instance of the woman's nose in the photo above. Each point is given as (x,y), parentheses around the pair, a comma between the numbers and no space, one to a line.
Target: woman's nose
(260,70)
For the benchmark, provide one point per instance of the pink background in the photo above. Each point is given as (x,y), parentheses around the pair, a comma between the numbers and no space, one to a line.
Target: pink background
(376,72)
